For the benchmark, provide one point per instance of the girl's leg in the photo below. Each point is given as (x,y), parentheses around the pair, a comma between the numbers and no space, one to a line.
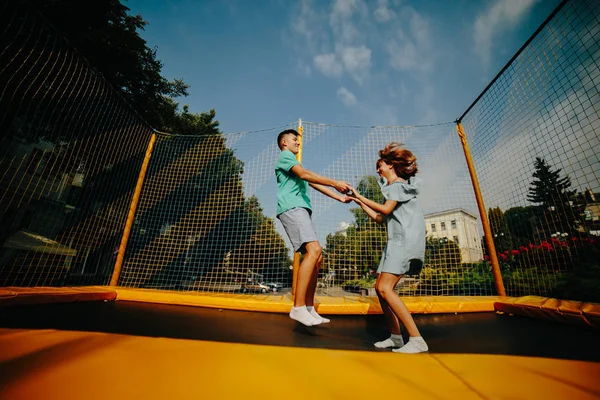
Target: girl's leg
(387,283)
(415,344)
(395,340)
(390,317)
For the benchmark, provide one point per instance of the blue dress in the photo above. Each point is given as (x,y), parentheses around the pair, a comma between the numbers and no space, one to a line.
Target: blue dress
(405,227)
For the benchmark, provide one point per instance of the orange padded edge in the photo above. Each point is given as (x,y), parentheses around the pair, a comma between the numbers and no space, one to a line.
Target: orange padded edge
(350,304)
(566,311)
(11,296)
(50,364)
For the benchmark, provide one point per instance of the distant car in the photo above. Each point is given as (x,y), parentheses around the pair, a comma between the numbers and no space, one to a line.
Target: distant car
(275,286)
(254,287)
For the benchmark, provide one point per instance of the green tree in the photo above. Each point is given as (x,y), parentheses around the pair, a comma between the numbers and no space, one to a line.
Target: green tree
(369,188)
(521,224)
(442,252)
(106,35)
(185,122)
(500,231)
(552,196)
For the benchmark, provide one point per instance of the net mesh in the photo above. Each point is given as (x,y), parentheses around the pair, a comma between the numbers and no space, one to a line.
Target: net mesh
(534,136)
(206,218)
(207,213)
(70,154)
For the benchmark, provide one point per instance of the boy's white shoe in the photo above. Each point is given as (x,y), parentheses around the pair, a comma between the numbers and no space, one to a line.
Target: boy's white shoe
(302,315)
(315,314)
(415,345)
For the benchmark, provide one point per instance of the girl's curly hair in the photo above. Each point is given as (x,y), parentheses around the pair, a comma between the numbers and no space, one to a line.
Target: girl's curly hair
(403,160)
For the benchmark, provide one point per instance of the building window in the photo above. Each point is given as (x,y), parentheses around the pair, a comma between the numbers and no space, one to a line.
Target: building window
(453,224)
(432,227)
(443,226)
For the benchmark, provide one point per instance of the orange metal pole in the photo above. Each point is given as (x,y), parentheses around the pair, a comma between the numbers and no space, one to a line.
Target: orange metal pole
(296,264)
(482,213)
(134,202)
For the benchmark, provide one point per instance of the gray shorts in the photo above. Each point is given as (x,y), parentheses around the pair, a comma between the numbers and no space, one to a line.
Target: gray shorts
(299,227)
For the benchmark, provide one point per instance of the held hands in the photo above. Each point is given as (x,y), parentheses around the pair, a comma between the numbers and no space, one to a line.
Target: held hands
(350,194)
(342,187)
(353,195)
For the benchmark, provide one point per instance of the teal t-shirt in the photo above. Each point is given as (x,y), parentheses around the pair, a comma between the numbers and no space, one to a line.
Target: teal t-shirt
(292,191)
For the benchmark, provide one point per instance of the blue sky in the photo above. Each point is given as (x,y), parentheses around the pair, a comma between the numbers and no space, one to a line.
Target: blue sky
(358,63)
(266,63)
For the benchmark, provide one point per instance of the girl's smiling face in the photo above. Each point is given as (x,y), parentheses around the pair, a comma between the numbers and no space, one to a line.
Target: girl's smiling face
(385,170)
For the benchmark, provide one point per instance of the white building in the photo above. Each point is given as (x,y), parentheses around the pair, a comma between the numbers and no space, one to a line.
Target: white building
(457,225)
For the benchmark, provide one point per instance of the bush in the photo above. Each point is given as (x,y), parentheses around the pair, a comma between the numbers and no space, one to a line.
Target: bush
(364,283)
(583,281)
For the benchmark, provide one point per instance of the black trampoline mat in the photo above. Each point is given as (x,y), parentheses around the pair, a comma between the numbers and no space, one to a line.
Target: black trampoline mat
(476,333)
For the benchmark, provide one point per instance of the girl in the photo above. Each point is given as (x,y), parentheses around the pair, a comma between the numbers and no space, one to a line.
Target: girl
(405,248)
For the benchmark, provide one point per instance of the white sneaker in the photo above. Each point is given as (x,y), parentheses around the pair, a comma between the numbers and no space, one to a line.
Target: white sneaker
(413,346)
(389,342)
(318,317)
(302,315)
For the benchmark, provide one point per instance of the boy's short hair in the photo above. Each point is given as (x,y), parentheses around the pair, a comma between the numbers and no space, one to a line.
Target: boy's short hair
(283,133)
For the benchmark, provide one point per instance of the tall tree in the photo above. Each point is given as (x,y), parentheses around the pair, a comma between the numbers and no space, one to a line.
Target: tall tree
(553,197)
(521,222)
(106,35)
(187,123)
(369,188)
(500,231)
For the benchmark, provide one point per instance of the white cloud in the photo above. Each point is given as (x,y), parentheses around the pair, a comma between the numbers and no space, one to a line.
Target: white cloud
(412,50)
(328,64)
(356,60)
(502,15)
(346,97)
(382,13)
(307,23)
(341,20)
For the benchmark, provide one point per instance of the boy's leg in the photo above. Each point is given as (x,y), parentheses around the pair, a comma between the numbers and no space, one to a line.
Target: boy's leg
(302,233)
(300,312)
(312,286)
(305,272)
(310,293)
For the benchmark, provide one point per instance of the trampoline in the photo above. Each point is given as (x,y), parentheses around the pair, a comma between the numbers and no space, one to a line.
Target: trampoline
(130,349)
(467,333)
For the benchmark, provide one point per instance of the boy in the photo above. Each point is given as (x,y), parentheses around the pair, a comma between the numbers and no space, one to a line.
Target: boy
(294,210)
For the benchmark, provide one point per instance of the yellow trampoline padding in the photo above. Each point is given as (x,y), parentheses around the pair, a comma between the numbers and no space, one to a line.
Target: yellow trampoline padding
(567,311)
(10,296)
(49,364)
(351,304)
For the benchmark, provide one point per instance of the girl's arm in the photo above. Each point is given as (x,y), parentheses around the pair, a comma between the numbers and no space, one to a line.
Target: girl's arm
(374,215)
(328,192)
(385,208)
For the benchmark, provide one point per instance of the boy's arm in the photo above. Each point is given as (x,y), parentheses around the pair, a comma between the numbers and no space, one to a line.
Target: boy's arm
(328,192)
(312,177)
